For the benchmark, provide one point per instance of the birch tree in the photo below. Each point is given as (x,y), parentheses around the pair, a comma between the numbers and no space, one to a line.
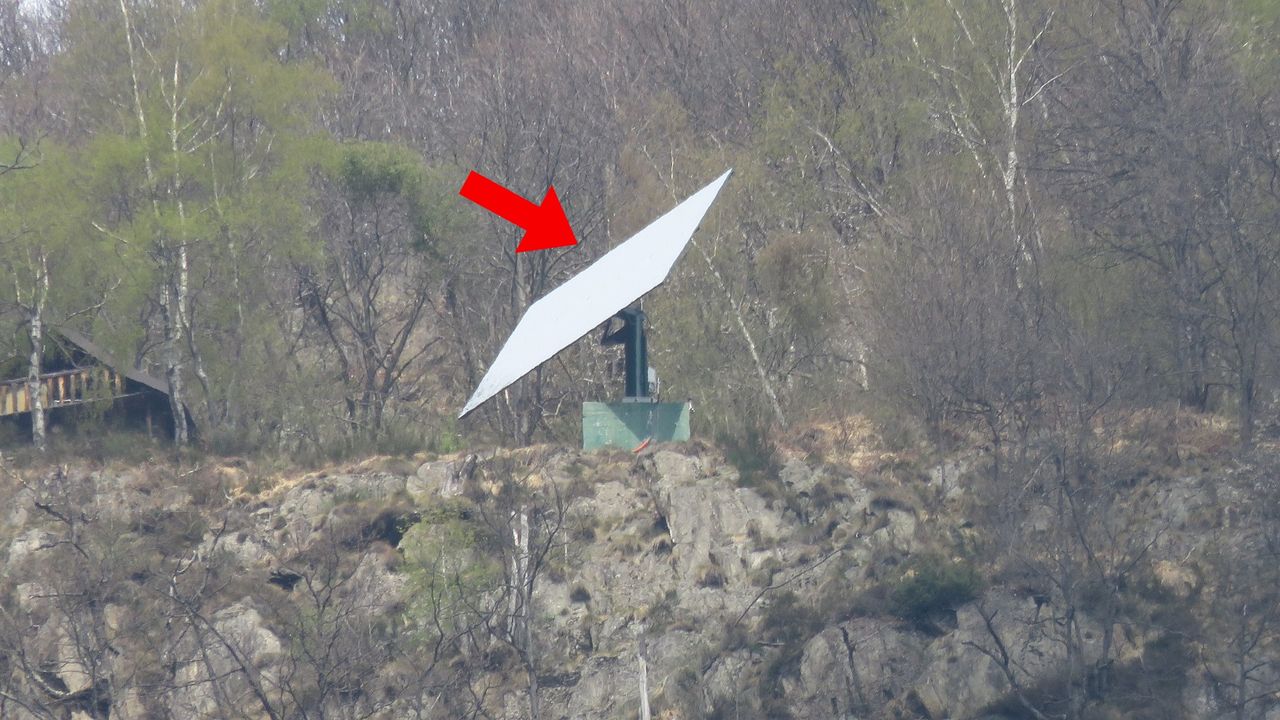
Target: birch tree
(986,66)
(193,140)
(53,273)
(526,516)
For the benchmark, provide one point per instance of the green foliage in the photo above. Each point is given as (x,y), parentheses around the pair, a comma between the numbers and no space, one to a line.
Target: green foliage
(126,446)
(372,169)
(371,172)
(796,277)
(865,242)
(401,439)
(449,572)
(42,212)
(931,584)
(445,437)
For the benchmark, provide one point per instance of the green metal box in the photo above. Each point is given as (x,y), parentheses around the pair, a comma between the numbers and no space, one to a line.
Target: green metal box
(626,425)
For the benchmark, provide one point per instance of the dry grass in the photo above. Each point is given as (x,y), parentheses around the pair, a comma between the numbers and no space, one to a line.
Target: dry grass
(854,442)
(1168,435)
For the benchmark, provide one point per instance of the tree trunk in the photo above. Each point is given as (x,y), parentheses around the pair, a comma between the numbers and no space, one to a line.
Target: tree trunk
(520,577)
(1248,398)
(40,295)
(172,323)
(641,652)
(173,365)
(1191,362)
(182,284)
(520,627)
(1009,170)
(535,705)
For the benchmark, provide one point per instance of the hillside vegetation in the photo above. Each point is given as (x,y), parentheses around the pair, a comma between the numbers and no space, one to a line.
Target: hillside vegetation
(1014,213)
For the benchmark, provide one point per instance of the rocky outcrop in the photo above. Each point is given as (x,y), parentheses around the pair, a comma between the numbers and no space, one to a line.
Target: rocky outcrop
(733,600)
(855,668)
(234,659)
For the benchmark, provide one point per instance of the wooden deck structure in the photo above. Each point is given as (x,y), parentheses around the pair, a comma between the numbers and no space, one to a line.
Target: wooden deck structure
(93,377)
(61,389)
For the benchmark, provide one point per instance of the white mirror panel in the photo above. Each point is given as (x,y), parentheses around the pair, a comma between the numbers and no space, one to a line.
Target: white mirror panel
(619,278)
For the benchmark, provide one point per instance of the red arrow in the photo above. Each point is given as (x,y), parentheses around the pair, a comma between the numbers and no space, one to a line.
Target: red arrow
(545,225)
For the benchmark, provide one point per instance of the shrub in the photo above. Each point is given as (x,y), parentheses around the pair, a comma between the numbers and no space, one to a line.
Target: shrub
(710,576)
(763,575)
(931,584)
(127,446)
(753,452)
(446,438)
(398,437)
(788,620)
(792,623)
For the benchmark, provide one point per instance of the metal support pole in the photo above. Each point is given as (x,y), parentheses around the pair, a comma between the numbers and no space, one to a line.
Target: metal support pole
(635,352)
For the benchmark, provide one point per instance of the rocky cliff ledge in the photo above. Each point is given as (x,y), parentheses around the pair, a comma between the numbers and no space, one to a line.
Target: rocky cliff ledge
(562,584)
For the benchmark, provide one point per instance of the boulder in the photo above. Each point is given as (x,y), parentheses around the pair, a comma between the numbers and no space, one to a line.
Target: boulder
(960,679)
(240,626)
(855,668)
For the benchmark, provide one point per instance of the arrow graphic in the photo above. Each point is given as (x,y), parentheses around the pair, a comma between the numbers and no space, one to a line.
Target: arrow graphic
(545,225)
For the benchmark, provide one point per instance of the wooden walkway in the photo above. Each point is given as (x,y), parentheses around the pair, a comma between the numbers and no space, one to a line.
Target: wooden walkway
(60,389)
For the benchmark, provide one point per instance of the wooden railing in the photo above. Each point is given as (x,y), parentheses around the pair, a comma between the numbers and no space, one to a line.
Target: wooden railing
(59,389)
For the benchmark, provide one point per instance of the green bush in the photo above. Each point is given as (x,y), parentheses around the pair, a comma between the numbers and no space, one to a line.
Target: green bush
(399,437)
(445,438)
(931,584)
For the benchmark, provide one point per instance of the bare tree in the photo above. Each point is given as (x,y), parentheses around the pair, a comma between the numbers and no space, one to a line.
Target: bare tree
(538,112)
(1134,149)
(983,81)
(1243,254)
(65,633)
(525,517)
(955,335)
(1241,632)
(370,292)
(22,65)
(1074,546)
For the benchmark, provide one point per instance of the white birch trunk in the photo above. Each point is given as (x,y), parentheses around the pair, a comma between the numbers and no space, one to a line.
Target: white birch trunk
(751,345)
(519,566)
(183,271)
(182,319)
(39,296)
(642,655)
(173,364)
(521,608)
(172,321)
(1004,74)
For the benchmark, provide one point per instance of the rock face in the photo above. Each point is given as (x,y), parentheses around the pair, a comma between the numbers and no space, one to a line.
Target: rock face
(249,660)
(856,667)
(130,594)
(966,672)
